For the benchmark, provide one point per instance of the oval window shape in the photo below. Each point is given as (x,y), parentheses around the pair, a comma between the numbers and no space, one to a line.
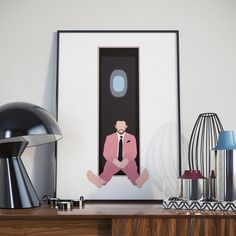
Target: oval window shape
(118,83)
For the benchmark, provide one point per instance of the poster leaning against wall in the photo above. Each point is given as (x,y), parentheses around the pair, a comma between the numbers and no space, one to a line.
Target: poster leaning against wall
(118,108)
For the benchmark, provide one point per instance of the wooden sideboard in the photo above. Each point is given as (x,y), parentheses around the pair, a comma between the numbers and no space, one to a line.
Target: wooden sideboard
(117,220)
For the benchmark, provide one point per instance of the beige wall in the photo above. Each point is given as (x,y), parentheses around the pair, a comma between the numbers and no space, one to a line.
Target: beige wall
(207,55)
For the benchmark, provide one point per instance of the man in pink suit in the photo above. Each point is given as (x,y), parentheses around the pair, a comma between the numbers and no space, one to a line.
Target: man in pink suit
(120,151)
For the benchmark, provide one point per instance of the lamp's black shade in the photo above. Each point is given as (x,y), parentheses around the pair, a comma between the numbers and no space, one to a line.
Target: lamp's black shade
(21,121)
(21,125)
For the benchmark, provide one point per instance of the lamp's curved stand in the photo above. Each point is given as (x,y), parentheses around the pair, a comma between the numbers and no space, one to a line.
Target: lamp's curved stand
(16,189)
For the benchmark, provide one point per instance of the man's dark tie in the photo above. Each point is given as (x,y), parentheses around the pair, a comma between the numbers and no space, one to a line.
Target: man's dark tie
(120,153)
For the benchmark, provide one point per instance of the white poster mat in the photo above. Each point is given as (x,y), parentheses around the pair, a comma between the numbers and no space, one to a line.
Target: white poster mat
(78,103)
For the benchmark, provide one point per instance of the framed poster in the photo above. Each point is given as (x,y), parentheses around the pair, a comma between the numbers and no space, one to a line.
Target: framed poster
(119,112)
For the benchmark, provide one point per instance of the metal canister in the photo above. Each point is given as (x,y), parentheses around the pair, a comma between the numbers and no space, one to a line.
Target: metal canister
(225,176)
(193,181)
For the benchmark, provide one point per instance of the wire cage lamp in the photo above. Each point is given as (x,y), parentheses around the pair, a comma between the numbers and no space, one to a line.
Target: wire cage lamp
(203,139)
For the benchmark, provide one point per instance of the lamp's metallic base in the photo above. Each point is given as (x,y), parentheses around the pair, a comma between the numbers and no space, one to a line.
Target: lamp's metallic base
(16,189)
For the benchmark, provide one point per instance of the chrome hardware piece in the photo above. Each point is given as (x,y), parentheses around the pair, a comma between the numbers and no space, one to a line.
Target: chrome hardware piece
(65,204)
(53,201)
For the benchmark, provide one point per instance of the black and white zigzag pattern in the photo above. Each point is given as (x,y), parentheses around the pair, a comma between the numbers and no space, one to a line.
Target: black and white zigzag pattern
(199,205)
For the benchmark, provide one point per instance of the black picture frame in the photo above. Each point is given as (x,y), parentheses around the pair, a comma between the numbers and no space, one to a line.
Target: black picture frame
(66,38)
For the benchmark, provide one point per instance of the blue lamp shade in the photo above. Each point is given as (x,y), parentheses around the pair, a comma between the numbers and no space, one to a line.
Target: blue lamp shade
(226,141)
(22,125)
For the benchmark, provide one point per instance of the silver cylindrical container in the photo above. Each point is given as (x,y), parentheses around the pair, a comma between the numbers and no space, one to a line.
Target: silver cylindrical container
(192,184)
(192,189)
(225,182)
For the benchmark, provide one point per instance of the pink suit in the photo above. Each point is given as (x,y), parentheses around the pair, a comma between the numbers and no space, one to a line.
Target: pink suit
(110,153)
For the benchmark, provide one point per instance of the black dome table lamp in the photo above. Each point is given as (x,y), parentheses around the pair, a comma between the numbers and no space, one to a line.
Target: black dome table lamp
(21,125)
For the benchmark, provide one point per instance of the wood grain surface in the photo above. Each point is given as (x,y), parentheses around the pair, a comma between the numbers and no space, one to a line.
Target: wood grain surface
(117,220)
